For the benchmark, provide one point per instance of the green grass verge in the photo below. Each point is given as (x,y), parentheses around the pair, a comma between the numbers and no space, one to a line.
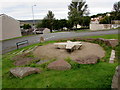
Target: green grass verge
(0,72)
(85,76)
(17,37)
(80,76)
(110,36)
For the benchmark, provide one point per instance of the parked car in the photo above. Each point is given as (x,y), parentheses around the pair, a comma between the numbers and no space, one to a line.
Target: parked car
(36,31)
(41,31)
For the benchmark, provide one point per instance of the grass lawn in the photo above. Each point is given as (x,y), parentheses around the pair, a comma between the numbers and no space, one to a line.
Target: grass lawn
(0,71)
(80,76)
(110,36)
(18,37)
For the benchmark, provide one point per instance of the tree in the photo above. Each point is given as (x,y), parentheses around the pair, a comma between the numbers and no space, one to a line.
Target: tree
(116,8)
(48,21)
(59,24)
(39,25)
(106,20)
(85,21)
(50,15)
(69,24)
(26,26)
(77,10)
(62,23)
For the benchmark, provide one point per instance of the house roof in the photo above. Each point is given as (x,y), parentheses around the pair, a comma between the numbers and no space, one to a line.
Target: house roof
(2,15)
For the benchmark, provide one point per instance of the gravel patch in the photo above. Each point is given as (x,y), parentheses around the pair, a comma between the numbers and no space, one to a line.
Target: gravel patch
(47,52)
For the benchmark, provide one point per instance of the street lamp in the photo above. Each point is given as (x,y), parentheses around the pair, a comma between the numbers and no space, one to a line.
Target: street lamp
(33,16)
(108,14)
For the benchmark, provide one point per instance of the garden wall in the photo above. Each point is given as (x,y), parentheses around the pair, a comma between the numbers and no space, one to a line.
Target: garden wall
(100,26)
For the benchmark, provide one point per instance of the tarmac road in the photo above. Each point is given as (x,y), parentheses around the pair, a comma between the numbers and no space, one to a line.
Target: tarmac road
(10,45)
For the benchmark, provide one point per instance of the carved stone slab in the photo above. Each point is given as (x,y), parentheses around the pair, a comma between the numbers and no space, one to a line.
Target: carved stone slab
(24,71)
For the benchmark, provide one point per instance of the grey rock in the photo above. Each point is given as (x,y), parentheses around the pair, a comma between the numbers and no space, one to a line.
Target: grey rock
(109,42)
(59,65)
(25,61)
(24,71)
(42,62)
(92,59)
(116,79)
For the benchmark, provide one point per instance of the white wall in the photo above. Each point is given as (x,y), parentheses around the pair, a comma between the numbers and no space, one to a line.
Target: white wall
(100,26)
(10,27)
(0,28)
(115,25)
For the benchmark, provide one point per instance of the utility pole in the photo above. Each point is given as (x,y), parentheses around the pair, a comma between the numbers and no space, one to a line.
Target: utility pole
(33,17)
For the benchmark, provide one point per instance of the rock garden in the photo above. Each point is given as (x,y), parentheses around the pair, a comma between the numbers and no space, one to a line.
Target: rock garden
(52,63)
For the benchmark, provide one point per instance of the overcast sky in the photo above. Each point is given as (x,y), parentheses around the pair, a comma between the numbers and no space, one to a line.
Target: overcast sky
(22,9)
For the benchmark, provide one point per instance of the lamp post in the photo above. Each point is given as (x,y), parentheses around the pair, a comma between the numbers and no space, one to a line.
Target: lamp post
(33,16)
(108,18)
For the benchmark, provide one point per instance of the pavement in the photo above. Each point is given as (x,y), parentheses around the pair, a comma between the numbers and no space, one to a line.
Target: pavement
(10,45)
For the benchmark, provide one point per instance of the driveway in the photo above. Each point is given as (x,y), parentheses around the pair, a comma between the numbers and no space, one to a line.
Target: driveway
(11,44)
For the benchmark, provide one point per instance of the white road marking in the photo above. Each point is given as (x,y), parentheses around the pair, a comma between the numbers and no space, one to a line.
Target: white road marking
(49,37)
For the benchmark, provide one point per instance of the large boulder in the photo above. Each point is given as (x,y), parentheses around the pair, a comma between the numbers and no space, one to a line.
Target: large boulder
(25,61)
(92,59)
(90,39)
(24,71)
(109,42)
(59,65)
(116,79)
(100,40)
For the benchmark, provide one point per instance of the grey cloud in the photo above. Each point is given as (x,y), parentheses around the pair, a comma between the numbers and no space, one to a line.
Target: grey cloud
(22,9)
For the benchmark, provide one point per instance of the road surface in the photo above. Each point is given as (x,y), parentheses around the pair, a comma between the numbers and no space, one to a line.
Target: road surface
(10,45)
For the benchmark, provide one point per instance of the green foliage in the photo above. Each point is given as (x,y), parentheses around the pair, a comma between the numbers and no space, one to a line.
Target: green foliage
(39,25)
(99,14)
(47,22)
(50,15)
(110,36)
(59,24)
(77,10)
(26,26)
(117,49)
(85,21)
(32,65)
(116,7)
(106,20)
(54,24)
(73,64)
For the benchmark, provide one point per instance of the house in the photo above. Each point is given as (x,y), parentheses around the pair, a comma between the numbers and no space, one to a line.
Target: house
(41,31)
(9,27)
(96,20)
